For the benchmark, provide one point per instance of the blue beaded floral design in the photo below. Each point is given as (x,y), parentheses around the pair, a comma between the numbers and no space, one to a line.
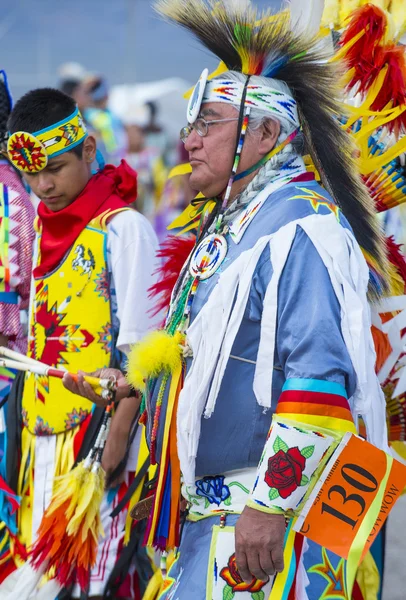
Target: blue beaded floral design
(213,489)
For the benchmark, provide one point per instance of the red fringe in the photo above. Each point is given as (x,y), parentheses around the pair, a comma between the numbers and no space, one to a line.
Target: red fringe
(174,252)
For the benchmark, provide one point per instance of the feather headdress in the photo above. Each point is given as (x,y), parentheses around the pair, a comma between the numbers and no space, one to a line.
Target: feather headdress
(251,42)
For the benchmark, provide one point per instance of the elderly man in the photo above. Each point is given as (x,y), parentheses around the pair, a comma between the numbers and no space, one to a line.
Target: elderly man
(271,313)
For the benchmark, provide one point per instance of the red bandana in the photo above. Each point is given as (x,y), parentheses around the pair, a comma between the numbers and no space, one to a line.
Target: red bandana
(110,189)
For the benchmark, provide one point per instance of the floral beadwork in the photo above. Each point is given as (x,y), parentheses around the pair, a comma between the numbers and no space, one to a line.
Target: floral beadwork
(285,469)
(235,582)
(213,489)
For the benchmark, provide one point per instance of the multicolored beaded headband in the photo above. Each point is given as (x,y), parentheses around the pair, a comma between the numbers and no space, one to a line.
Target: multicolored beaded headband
(30,152)
(276,103)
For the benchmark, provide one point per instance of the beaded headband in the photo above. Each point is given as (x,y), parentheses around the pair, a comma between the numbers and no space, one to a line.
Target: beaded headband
(30,152)
(276,103)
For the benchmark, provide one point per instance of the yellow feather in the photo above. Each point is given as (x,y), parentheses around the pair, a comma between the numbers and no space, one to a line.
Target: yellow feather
(331,13)
(92,521)
(68,487)
(157,352)
(396,283)
(88,502)
(346,8)
(398,12)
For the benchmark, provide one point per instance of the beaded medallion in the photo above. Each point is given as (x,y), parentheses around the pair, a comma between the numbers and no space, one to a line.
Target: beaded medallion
(208,256)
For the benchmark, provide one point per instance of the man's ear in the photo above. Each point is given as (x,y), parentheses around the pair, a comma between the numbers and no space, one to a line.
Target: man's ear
(89,149)
(270,131)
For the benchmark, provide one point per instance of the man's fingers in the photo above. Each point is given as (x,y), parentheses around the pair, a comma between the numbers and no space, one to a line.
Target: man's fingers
(255,567)
(266,563)
(242,566)
(70,383)
(277,559)
(91,394)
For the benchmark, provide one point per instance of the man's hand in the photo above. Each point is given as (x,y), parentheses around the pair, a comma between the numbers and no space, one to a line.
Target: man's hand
(82,388)
(259,544)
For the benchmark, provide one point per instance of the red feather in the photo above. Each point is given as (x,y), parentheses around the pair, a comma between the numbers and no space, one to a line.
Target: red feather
(173,252)
(373,21)
(396,257)
(393,89)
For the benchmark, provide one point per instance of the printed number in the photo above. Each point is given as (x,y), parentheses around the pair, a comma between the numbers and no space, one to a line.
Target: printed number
(339,515)
(359,485)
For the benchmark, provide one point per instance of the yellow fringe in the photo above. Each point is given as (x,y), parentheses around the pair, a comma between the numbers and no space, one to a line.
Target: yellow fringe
(64,460)
(368,578)
(154,586)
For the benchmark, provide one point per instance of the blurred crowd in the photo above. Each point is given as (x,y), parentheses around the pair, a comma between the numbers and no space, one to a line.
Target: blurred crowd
(142,141)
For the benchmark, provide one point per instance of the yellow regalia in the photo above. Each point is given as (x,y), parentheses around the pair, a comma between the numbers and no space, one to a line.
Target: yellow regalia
(70,327)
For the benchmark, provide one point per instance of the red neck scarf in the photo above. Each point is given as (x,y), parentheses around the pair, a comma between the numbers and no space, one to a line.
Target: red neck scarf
(110,189)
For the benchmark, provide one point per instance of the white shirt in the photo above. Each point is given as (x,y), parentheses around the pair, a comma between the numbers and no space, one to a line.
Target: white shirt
(131,255)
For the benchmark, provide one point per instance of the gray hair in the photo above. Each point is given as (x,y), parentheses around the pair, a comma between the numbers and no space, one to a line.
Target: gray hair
(257,119)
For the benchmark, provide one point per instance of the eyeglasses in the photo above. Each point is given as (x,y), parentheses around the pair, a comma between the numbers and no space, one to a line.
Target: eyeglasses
(201,126)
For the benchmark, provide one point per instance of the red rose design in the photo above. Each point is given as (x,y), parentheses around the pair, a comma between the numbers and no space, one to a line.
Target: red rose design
(285,471)
(231,575)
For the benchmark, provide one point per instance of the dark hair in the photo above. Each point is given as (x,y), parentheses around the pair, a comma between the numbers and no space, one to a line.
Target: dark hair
(5,109)
(69,86)
(42,108)
(95,84)
(39,109)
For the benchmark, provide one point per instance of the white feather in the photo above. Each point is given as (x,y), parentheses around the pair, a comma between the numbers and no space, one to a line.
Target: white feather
(237,5)
(49,591)
(21,584)
(305,16)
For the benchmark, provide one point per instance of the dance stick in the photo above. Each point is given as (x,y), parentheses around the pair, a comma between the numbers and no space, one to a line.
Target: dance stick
(23,358)
(104,386)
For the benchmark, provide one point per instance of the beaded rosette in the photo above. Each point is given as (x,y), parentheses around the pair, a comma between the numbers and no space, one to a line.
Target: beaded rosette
(30,152)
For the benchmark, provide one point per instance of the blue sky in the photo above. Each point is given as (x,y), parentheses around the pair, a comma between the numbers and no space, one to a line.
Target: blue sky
(123,39)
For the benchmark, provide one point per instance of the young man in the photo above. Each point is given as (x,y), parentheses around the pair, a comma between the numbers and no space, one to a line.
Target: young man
(93,261)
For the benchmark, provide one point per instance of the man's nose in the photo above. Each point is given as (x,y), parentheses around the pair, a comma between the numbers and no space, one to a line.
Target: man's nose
(193,141)
(45,183)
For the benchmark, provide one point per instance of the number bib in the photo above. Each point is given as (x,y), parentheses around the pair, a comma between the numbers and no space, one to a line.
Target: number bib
(352,498)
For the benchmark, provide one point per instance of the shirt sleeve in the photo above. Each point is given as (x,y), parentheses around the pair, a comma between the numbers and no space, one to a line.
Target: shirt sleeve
(313,410)
(132,246)
(319,375)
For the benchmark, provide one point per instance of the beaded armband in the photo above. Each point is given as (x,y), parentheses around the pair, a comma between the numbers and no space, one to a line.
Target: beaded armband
(291,463)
